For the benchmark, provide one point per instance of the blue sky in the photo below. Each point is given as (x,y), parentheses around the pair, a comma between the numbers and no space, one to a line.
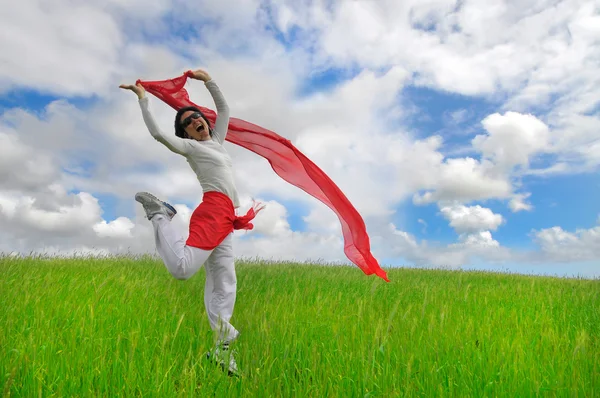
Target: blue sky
(558,200)
(567,201)
(313,74)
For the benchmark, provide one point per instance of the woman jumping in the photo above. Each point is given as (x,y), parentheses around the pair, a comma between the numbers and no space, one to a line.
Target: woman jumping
(212,223)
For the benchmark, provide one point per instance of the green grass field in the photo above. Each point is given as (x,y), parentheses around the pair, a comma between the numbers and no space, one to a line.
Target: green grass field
(125,327)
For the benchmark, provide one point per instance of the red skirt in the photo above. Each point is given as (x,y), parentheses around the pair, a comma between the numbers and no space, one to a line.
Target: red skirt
(214,219)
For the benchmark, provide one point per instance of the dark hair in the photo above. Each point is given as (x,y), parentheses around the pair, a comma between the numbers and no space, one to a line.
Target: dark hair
(179,130)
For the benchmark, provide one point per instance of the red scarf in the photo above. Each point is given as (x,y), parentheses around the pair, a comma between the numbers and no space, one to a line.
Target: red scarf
(214,219)
(290,164)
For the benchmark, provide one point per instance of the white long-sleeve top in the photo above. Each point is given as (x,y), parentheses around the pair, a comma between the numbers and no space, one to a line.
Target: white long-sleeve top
(209,159)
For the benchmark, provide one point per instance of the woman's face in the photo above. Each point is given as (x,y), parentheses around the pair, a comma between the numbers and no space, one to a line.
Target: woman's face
(195,126)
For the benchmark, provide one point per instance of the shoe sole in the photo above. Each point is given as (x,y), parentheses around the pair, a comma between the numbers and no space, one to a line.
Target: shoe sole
(141,197)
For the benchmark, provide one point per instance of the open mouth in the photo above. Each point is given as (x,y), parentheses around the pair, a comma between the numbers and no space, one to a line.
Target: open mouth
(200,128)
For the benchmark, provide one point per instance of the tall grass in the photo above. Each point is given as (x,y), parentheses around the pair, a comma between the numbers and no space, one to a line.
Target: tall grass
(124,327)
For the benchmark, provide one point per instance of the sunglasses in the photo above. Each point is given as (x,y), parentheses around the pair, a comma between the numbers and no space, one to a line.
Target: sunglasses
(188,120)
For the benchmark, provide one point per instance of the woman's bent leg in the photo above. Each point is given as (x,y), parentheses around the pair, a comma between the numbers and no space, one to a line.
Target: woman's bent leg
(181,260)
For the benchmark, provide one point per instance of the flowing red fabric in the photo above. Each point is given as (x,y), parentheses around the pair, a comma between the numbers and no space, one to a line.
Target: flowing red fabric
(290,164)
(214,219)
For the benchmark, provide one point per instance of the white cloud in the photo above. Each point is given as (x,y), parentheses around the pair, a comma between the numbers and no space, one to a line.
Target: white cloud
(576,138)
(465,179)
(566,55)
(119,228)
(558,245)
(470,47)
(518,203)
(474,225)
(65,219)
(321,219)
(512,139)
(271,220)
(58,47)
(480,239)
(471,247)
(21,168)
(531,53)
(471,219)
(75,48)
(292,246)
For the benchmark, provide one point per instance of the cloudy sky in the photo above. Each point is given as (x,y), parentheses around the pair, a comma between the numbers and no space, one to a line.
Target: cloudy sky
(466,133)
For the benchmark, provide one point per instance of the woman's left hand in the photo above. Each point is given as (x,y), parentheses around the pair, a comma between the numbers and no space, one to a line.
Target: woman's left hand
(200,74)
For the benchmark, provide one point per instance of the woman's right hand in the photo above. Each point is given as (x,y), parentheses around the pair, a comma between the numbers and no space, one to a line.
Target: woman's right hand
(137,88)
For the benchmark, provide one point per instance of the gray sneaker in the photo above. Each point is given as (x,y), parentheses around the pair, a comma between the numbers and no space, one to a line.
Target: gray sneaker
(153,205)
(224,357)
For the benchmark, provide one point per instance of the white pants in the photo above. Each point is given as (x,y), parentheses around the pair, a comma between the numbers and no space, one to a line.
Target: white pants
(183,261)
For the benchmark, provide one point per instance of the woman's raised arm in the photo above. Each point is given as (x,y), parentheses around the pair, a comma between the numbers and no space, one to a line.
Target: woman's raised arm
(175,144)
(222,122)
